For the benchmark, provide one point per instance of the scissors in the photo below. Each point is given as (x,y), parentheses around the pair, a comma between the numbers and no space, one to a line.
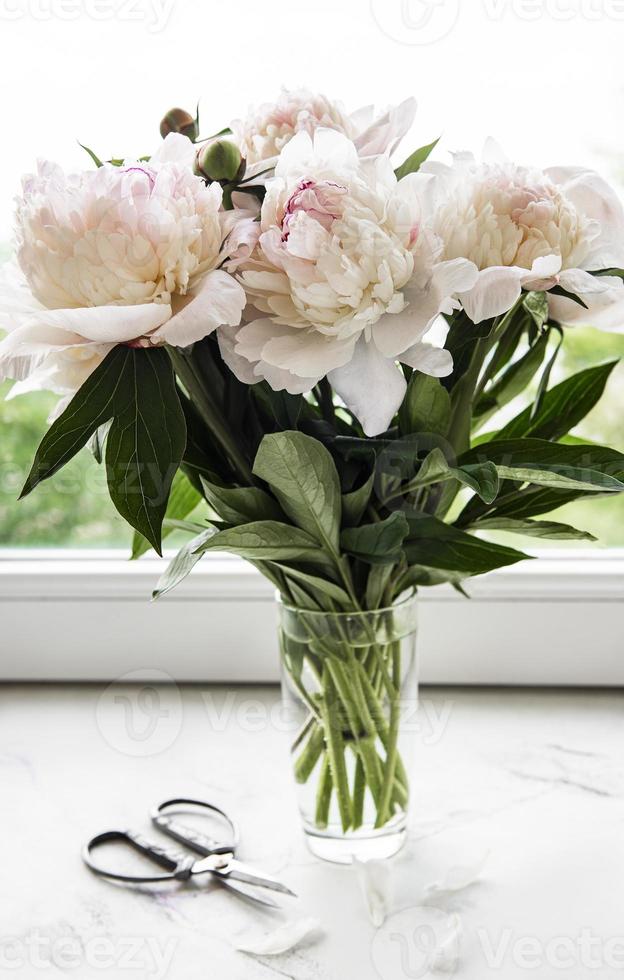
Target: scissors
(217,856)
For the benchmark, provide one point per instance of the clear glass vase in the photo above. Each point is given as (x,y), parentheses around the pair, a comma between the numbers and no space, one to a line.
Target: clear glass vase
(349,680)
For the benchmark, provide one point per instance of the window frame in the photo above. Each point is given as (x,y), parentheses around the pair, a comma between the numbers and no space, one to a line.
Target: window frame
(86,616)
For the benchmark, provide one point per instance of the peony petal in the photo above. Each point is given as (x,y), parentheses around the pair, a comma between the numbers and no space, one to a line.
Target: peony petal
(605,310)
(241,232)
(106,324)
(17,304)
(281,940)
(579,282)
(457,878)
(593,196)
(239,366)
(375,878)
(218,300)
(494,293)
(371,386)
(434,361)
(384,134)
(175,148)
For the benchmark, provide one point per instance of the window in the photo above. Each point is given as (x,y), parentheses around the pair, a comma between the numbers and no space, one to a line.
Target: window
(468,88)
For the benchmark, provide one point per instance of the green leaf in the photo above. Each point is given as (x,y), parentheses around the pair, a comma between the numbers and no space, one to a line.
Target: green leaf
(355,503)
(378,579)
(480,477)
(420,575)
(563,406)
(426,406)
(416,159)
(267,541)
(536,305)
(241,505)
(319,585)
(377,544)
(91,153)
(539,453)
(183,563)
(514,380)
(146,442)
(91,407)
(183,499)
(303,477)
(438,545)
(562,477)
(551,530)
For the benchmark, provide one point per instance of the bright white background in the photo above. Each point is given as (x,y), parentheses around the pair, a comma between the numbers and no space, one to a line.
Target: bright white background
(543,76)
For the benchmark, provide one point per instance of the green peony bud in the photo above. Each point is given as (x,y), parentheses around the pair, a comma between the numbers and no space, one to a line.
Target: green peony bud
(220,160)
(179,121)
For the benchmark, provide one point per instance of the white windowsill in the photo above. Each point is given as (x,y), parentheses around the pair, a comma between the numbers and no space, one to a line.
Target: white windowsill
(87,616)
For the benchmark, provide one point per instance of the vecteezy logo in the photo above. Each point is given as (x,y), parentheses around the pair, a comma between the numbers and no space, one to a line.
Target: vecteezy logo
(415,21)
(138,717)
(417,944)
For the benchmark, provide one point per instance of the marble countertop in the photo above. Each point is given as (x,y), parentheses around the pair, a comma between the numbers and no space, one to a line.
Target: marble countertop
(524,787)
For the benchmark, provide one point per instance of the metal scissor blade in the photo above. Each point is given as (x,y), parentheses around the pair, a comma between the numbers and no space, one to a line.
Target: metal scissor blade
(227,867)
(249,892)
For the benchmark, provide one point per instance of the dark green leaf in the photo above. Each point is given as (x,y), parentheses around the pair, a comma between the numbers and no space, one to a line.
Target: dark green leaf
(551,530)
(536,305)
(241,505)
(562,477)
(426,406)
(415,161)
(514,381)
(146,442)
(376,584)
(355,503)
(91,407)
(183,499)
(563,407)
(267,541)
(377,544)
(438,545)
(303,477)
(320,586)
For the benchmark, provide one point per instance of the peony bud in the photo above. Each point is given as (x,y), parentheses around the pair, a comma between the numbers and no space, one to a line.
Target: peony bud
(220,160)
(179,121)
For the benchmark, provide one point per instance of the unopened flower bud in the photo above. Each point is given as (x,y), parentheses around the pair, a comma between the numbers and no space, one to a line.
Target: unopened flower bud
(179,121)
(220,160)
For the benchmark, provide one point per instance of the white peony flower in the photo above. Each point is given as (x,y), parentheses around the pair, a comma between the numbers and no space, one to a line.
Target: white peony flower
(346,278)
(268,128)
(532,229)
(135,254)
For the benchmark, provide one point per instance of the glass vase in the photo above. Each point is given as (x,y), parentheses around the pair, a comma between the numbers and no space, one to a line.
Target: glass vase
(349,682)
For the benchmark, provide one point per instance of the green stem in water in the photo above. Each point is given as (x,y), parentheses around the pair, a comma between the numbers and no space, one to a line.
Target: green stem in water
(392,746)
(323,795)
(306,763)
(332,722)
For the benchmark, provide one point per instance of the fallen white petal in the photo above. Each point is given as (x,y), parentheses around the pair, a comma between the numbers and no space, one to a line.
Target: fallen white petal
(281,940)
(458,877)
(376,882)
(445,957)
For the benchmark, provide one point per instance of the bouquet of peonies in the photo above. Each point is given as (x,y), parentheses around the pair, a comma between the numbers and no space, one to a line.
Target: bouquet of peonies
(324,347)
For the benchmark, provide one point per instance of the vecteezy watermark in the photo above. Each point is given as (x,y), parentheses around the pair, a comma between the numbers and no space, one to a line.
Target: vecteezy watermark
(138,717)
(155,14)
(420,943)
(226,710)
(418,22)
(143,956)
(415,21)
(560,953)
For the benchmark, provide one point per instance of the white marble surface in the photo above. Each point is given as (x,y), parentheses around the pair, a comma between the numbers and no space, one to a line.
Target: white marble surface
(534,779)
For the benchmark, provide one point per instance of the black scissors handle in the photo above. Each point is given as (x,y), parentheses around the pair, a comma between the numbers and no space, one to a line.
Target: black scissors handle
(176,865)
(163,818)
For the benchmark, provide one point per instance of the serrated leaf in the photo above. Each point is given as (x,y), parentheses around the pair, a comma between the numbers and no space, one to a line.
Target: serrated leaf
(267,541)
(438,545)
(301,473)
(415,160)
(551,530)
(377,544)
(241,505)
(183,563)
